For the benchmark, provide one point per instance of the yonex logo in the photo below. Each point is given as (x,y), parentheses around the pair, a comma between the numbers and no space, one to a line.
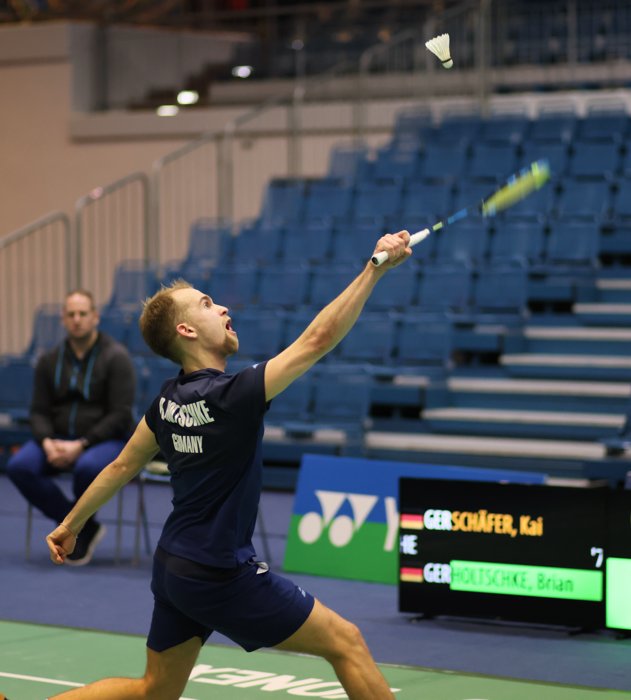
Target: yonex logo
(342,528)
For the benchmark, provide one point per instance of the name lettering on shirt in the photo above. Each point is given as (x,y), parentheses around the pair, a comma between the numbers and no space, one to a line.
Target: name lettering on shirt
(187,443)
(187,415)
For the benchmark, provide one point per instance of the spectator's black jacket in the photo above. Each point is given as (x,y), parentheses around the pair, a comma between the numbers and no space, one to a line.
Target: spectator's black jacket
(90,398)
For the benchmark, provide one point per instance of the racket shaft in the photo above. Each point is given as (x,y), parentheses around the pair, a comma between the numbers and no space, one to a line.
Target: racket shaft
(517,188)
(415,238)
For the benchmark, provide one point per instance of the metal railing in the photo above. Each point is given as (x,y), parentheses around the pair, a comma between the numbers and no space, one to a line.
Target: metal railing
(35,268)
(111,225)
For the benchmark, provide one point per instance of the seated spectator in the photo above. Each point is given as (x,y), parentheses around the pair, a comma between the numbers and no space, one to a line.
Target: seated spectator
(81,416)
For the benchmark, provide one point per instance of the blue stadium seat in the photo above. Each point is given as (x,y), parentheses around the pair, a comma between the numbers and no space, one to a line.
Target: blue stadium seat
(615,243)
(257,246)
(134,281)
(458,126)
(396,164)
(595,159)
(573,243)
(371,340)
(443,161)
(47,329)
(584,199)
(555,123)
(510,127)
(234,286)
(283,203)
(626,159)
(463,242)
(492,161)
(424,340)
(349,162)
(311,243)
(621,210)
(355,241)
(209,245)
(16,380)
(172,271)
(431,201)
(328,199)
(377,199)
(152,371)
(135,342)
(342,402)
(398,288)
(327,282)
(284,287)
(116,325)
(606,120)
(293,404)
(445,288)
(260,332)
(517,240)
(501,290)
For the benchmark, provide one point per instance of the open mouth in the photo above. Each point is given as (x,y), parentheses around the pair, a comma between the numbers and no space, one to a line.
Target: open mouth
(229,327)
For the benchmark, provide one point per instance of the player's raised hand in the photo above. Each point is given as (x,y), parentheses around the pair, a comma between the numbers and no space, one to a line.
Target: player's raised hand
(396,246)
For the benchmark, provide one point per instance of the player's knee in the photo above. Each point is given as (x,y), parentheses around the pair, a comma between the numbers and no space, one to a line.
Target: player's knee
(349,641)
(154,689)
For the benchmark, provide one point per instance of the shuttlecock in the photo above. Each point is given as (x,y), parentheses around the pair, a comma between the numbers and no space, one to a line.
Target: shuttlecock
(439,46)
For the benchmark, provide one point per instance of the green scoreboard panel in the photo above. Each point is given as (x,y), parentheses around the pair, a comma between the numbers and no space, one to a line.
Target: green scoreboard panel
(531,553)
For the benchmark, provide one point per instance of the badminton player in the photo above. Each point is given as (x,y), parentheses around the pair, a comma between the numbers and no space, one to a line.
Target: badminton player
(209,426)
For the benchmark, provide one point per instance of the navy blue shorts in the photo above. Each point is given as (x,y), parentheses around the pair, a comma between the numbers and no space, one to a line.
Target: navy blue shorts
(250,604)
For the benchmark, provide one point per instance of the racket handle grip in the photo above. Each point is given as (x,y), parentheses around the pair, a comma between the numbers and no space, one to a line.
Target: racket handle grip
(415,238)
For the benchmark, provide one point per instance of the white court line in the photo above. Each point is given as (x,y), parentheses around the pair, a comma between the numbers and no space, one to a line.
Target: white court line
(37,679)
(53,681)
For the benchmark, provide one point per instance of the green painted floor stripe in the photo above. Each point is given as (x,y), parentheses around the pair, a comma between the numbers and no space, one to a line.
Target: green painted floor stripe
(39,661)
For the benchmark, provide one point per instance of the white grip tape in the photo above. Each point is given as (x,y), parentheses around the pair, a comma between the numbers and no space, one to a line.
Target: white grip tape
(414,239)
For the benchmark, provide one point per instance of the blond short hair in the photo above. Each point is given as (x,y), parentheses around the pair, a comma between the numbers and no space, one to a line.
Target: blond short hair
(158,321)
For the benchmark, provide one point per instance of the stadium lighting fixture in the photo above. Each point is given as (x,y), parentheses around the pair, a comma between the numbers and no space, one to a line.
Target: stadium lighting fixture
(187,97)
(242,71)
(167,110)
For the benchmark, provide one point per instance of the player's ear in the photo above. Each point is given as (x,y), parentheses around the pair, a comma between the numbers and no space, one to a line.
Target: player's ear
(186,330)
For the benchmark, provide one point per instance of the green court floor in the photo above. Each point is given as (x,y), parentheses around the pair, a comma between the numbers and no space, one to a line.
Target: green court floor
(39,661)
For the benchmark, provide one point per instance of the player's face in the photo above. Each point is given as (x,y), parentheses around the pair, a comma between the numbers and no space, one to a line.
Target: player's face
(79,318)
(211,322)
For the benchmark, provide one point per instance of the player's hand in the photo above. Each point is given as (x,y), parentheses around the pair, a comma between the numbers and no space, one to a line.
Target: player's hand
(397,247)
(61,542)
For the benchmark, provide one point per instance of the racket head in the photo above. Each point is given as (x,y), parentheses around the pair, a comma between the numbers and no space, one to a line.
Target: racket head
(518,187)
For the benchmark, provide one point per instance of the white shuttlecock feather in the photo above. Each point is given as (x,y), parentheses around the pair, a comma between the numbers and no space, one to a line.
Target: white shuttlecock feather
(439,46)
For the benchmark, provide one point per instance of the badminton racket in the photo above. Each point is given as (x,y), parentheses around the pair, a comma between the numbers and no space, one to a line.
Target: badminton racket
(516,188)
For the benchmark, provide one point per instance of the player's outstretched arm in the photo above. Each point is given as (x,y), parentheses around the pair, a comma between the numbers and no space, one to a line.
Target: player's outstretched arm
(334,321)
(139,450)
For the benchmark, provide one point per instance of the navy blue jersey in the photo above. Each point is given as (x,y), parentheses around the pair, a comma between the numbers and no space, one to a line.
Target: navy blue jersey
(209,426)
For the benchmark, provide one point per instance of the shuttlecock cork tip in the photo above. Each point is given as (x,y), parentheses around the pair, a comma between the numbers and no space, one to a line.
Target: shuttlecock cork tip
(439,46)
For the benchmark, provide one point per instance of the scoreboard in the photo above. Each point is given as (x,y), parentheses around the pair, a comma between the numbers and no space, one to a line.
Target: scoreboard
(541,554)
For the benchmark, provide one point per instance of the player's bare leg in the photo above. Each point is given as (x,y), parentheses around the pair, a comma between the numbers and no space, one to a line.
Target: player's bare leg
(165,677)
(330,636)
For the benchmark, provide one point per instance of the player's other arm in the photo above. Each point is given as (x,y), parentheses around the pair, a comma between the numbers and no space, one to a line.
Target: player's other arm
(139,450)
(334,321)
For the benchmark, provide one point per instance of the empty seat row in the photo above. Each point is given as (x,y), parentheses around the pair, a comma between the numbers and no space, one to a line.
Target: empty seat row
(293,204)
(267,254)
